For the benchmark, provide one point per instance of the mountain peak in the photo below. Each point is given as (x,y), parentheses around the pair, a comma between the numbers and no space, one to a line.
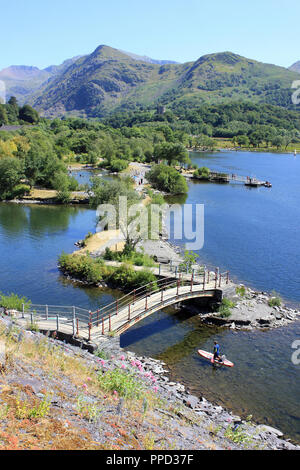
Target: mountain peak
(295,67)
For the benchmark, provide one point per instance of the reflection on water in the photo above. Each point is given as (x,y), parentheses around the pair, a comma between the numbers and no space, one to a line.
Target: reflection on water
(31,239)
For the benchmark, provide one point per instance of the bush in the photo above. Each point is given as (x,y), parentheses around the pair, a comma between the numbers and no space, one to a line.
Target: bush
(20,191)
(14,302)
(124,382)
(241,291)
(118,165)
(202,173)
(94,271)
(225,308)
(275,300)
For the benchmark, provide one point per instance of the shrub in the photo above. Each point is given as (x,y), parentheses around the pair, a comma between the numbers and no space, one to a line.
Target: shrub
(241,291)
(124,382)
(275,300)
(14,302)
(202,173)
(20,191)
(118,165)
(225,308)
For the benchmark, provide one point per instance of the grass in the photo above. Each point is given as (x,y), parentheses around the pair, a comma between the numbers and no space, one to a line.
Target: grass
(275,300)
(241,291)
(14,302)
(95,271)
(225,308)
(28,422)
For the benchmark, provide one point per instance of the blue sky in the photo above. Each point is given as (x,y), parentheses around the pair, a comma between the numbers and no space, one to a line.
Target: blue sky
(46,32)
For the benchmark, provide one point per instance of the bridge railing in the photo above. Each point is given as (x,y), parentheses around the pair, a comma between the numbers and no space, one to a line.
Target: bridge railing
(113,308)
(77,318)
(107,313)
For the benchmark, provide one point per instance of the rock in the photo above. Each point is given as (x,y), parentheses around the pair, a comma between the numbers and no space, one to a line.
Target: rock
(269,430)
(192,401)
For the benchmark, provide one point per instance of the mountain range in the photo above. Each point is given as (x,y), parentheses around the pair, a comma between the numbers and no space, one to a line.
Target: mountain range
(109,80)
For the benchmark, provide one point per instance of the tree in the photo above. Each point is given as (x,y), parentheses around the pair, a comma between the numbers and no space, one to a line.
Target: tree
(28,114)
(167,179)
(11,172)
(3,115)
(243,140)
(172,153)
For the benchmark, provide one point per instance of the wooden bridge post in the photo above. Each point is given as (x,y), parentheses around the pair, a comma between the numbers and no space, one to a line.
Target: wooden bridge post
(91,319)
(208,274)
(146,303)
(192,279)
(178,283)
(90,327)
(46,312)
(77,332)
(23,311)
(216,278)
(159,269)
(109,319)
(162,295)
(129,312)
(74,320)
(102,326)
(220,280)
(227,280)
(57,322)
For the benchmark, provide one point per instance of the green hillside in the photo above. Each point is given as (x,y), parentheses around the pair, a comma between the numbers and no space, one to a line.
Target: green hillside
(109,79)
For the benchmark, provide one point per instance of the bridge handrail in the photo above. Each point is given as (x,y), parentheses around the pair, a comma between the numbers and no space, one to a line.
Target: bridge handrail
(134,293)
(160,305)
(113,311)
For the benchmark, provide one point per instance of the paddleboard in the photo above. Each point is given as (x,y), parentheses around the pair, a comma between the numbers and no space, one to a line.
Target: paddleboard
(210,357)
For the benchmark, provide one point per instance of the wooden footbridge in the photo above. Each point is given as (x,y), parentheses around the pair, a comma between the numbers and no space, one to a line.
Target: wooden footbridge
(217,177)
(116,317)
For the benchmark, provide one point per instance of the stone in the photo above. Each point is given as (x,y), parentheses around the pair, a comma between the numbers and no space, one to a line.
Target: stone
(270,430)
(192,401)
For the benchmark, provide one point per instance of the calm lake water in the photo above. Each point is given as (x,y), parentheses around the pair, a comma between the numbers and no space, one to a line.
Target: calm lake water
(251,232)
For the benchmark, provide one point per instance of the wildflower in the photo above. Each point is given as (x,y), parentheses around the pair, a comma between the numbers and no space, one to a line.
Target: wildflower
(84,385)
(122,357)
(89,379)
(123,366)
(155,388)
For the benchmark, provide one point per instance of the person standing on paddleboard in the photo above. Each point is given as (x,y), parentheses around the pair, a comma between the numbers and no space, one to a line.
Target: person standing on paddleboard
(217,352)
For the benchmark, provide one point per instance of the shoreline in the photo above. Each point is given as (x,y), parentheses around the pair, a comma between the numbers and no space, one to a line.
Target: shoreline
(242,149)
(204,418)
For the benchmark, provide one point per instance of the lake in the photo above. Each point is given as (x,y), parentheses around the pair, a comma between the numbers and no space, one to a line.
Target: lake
(252,232)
